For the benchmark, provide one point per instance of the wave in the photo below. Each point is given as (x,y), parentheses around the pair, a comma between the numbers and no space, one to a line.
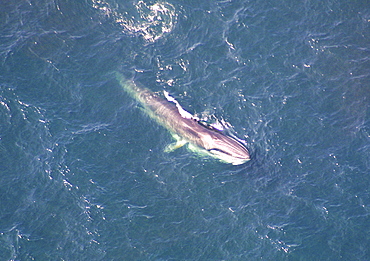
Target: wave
(151,22)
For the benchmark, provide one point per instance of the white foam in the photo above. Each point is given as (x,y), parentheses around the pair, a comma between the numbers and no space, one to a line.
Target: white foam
(183,113)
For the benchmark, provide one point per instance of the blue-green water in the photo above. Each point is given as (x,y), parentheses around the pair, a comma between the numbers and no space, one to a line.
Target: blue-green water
(83,172)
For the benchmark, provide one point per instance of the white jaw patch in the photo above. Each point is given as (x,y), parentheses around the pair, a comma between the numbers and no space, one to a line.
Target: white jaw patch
(228,158)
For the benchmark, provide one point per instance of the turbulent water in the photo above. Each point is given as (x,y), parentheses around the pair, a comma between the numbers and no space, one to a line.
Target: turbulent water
(83,171)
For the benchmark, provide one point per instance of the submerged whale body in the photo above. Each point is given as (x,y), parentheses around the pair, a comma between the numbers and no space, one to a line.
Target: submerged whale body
(185,128)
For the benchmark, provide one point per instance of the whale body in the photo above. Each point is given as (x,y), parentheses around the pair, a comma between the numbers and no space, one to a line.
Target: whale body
(185,128)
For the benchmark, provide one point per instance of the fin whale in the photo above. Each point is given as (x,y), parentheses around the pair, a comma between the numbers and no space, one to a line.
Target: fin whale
(186,129)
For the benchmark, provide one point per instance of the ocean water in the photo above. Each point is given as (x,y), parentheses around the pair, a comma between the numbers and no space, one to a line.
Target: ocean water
(83,172)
